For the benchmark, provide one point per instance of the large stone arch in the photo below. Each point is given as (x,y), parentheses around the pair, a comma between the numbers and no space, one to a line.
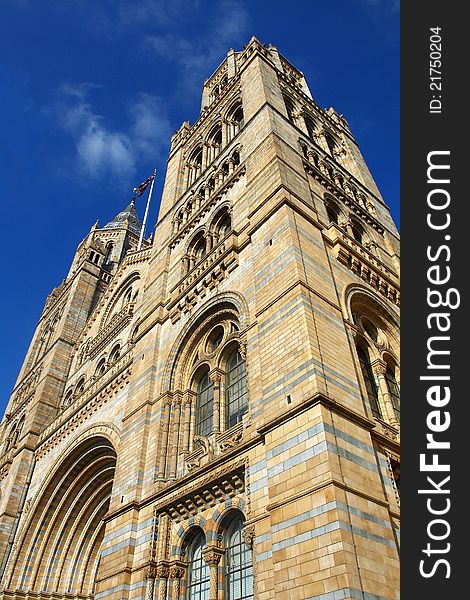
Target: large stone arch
(60,543)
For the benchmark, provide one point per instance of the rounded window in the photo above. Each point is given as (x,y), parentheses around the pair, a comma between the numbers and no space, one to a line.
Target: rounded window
(214,339)
(370,329)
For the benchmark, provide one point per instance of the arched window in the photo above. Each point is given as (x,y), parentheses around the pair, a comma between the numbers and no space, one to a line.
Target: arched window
(80,387)
(393,388)
(205,406)
(371,387)
(332,212)
(215,143)
(239,563)
(195,165)
(127,296)
(238,116)
(67,398)
(222,225)
(310,125)
(234,121)
(198,582)
(200,249)
(358,232)
(115,354)
(236,399)
(109,250)
(290,108)
(100,367)
(330,142)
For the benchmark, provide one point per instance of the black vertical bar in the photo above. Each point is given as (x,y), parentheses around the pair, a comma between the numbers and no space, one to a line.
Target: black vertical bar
(434,119)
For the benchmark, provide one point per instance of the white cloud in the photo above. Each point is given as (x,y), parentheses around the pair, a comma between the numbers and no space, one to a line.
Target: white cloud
(100,150)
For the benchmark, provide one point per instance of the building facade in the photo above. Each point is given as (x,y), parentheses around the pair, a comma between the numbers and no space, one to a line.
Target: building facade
(216,415)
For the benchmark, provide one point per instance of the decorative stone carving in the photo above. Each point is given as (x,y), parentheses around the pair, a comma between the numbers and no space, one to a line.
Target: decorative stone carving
(248,535)
(212,555)
(206,443)
(150,572)
(231,441)
(163,571)
(176,572)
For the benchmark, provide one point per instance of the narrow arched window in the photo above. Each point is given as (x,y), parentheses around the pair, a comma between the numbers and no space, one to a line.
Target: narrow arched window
(198,582)
(205,406)
(80,387)
(330,142)
(115,354)
(236,399)
(310,125)
(358,233)
(371,387)
(239,559)
(200,249)
(332,213)
(290,108)
(68,398)
(100,368)
(394,389)
(109,250)
(127,297)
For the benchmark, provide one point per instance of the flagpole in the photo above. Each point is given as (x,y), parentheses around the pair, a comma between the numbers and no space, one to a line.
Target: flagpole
(139,245)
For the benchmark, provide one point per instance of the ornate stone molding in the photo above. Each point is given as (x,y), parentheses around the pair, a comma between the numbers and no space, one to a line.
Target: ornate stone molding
(97,394)
(150,572)
(205,492)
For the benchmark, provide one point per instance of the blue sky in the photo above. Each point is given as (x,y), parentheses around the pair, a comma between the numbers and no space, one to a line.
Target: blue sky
(91,91)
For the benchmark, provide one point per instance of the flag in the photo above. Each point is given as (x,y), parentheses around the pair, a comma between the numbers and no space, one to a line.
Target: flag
(143,186)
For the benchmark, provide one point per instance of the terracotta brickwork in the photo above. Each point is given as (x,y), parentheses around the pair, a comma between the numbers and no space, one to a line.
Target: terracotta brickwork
(229,390)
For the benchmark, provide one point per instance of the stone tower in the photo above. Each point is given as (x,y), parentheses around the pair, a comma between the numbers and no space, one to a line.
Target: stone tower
(216,415)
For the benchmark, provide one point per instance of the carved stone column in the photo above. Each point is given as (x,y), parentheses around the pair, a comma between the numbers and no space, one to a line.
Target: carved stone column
(205,158)
(163,573)
(216,378)
(176,574)
(150,576)
(380,368)
(212,556)
(165,426)
(176,404)
(225,133)
(209,242)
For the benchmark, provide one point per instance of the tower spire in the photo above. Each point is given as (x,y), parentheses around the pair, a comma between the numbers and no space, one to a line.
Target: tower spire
(126,219)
